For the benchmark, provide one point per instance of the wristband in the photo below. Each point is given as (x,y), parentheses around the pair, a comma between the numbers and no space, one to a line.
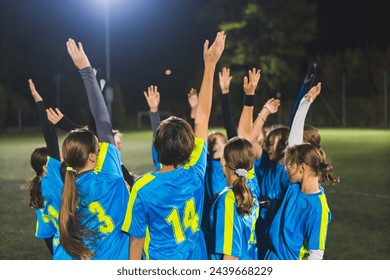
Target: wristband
(249,100)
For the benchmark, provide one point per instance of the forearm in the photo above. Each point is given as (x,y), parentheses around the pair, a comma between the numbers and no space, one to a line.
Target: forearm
(98,106)
(228,122)
(245,123)
(136,246)
(66,124)
(48,131)
(154,121)
(257,128)
(298,123)
(203,109)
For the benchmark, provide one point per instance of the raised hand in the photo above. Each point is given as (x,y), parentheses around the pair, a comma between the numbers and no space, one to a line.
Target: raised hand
(313,92)
(193,98)
(34,92)
(77,54)
(272,105)
(54,116)
(224,80)
(251,83)
(212,54)
(153,98)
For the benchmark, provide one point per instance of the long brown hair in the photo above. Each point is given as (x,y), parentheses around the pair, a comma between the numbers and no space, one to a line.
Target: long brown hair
(37,160)
(75,149)
(239,154)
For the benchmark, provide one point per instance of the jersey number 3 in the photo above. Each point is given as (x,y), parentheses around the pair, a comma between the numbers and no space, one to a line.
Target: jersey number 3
(190,220)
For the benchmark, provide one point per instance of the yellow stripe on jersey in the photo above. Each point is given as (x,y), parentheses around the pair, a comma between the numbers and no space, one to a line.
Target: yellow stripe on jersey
(228,223)
(194,157)
(146,244)
(141,182)
(103,147)
(251,173)
(324,221)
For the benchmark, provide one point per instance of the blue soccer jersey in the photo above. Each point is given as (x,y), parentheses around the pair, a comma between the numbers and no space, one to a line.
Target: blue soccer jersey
(232,234)
(301,224)
(52,185)
(214,183)
(166,209)
(103,199)
(273,182)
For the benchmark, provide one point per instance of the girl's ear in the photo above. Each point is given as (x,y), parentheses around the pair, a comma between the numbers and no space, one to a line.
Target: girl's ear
(44,168)
(92,157)
(302,168)
(223,161)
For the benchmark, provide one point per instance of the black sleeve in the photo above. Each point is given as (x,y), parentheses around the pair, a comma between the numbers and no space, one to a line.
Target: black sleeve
(66,124)
(154,121)
(228,122)
(49,244)
(97,106)
(92,124)
(126,175)
(49,132)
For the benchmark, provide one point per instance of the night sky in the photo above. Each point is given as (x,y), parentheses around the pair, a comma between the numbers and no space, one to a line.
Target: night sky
(150,36)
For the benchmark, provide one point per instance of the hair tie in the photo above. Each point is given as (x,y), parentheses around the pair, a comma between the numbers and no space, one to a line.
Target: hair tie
(69,168)
(241,172)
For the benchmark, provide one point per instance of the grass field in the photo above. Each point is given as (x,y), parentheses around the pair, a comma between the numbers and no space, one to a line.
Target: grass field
(360,227)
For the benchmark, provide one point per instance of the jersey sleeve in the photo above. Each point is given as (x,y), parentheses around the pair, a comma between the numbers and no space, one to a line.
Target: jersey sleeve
(198,158)
(44,228)
(317,225)
(108,161)
(227,226)
(136,218)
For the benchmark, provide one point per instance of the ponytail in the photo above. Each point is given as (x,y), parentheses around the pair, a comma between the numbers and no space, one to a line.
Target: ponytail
(38,159)
(239,157)
(325,172)
(36,198)
(243,195)
(71,232)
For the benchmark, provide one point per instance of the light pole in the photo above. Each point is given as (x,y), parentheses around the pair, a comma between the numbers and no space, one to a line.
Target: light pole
(108,91)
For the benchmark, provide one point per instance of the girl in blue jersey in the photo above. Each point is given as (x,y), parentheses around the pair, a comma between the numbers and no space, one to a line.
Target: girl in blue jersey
(165,208)
(234,213)
(46,192)
(270,165)
(94,195)
(300,226)
(38,161)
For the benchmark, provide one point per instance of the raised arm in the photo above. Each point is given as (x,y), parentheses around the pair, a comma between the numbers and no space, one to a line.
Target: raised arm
(224,83)
(308,83)
(95,97)
(48,130)
(270,107)
(58,119)
(211,55)
(152,96)
(192,98)
(246,120)
(298,123)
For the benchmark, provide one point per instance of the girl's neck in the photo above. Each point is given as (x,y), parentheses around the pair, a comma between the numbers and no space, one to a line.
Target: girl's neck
(310,185)
(167,168)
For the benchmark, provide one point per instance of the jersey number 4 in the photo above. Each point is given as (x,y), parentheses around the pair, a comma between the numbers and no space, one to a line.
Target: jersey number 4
(190,220)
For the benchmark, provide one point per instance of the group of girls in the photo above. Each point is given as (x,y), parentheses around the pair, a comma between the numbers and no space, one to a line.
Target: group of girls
(87,210)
